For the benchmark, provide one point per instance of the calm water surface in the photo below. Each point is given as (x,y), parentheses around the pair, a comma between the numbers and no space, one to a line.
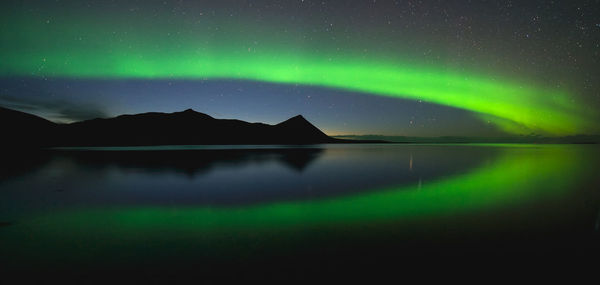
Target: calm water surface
(295,209)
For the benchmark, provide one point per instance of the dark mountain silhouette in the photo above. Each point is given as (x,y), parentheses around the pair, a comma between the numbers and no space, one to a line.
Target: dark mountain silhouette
(23,129)
(298,129)
(180,128)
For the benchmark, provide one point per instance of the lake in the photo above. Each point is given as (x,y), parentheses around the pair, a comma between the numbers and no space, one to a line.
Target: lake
(232,211)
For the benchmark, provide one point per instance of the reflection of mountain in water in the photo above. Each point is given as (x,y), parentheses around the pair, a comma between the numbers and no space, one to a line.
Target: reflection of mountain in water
(229,176)
(193,162)
(17,163)
(189,162)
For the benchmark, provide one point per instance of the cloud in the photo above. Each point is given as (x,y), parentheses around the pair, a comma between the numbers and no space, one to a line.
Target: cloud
(54,110)
(79,113)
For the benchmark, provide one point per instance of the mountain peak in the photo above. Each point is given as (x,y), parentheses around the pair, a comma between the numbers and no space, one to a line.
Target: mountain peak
(299,130)
(192,113)
(296,119)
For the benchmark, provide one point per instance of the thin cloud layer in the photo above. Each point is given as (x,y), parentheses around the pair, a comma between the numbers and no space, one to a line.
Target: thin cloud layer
(57,111)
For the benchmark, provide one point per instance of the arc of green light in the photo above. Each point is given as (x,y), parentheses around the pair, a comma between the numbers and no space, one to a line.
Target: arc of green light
(519,108)
(40,51)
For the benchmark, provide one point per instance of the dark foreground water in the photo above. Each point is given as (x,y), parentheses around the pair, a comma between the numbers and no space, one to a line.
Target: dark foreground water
(220,212)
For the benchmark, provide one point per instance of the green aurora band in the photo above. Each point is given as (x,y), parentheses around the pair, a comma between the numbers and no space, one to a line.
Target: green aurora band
(80,48)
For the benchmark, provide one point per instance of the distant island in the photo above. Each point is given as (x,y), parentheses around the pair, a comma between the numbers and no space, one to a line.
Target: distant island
(150,129)
(531,138)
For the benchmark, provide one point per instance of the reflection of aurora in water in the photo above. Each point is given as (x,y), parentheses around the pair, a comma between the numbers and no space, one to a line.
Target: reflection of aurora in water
(519,175)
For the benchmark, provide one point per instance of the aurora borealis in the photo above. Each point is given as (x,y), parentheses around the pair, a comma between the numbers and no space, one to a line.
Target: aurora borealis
(251,140)
(374,49)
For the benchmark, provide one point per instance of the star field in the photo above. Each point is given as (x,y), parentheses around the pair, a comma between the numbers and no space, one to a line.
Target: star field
(480,68)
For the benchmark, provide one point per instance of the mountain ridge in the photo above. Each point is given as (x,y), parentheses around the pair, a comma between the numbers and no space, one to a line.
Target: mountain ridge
(186,127)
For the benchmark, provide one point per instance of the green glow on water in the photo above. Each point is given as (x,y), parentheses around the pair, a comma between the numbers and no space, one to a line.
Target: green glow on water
(518,176)
(509,178)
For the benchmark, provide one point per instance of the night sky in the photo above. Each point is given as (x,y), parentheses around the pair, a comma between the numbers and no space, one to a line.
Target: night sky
(415,68)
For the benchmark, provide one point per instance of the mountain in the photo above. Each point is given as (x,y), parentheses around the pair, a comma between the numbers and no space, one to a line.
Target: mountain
(23,129)
(299,130)
(180,128)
